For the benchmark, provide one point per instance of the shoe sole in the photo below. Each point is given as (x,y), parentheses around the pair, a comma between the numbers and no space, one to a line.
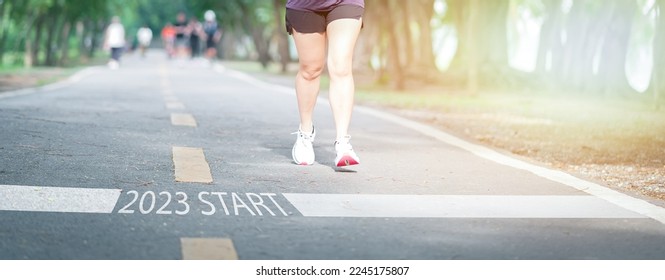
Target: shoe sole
(346,160)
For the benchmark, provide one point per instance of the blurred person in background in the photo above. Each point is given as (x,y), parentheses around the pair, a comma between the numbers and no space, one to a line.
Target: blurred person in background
(144,36)
(181,44)
(195,32)
(212,34)
(114,40)
(168,39)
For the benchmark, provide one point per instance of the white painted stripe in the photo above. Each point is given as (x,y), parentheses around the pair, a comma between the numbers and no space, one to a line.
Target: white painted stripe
(455,206)
(183,120)
(623,200)
(175,105)
(208,249)
(56,199)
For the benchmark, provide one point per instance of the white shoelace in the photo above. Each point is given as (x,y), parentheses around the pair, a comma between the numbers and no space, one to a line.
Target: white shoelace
(344,144)
(304,138)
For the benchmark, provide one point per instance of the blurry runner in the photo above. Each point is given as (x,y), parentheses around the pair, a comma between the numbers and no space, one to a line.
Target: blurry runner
(144,36)
(212,34)
(181,35)
(114,40)
(168,38)
(195,32)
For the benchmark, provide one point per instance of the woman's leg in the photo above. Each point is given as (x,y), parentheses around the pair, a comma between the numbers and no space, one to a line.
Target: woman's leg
(311,56)
(342,35)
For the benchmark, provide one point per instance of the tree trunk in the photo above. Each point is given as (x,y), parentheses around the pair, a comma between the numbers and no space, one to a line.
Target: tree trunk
(256,31)
(472,52)
(35,46)
(420,63)
(588,81)
(658,73)
(261,44)
(28,61)
(491,42)
(281,35)
(3,29)
(396,75)
(368,41)
(550,35)
(489,45)
(84,34)
(64,44)
(426,59)
(577,61)
(97,29)
(402,13)
(50,38)
(458,10)
(492,32)
(612,69)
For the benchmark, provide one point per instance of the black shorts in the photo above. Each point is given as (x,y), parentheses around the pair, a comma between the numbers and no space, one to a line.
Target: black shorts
(210,43)
(316,22)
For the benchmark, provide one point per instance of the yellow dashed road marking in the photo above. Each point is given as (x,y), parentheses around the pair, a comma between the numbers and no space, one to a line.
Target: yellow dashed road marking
(183,120)
(191,165)
(167,92)
(170,98)
(175,105)
(208,249)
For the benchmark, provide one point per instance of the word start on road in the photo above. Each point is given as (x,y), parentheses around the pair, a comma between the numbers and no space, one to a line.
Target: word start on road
(211,203)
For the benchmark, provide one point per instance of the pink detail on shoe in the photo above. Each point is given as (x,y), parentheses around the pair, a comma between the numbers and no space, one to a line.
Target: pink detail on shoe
(346,160)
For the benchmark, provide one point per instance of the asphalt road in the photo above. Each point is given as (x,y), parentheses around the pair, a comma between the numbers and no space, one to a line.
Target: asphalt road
(177,159)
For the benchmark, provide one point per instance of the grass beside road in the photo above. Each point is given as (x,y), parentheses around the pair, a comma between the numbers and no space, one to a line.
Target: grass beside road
(33,77)
(13,76)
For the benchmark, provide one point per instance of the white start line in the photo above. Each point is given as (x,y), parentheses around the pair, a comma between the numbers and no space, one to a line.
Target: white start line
(209,203)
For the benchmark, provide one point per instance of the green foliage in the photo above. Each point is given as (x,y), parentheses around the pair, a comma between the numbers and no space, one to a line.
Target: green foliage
(585,22)
(20,19)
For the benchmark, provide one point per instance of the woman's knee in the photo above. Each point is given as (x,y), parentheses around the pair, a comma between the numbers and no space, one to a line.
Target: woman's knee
(311,72)
(339,69)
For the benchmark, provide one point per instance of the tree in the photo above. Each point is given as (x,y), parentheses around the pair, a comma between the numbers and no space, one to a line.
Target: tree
(473,60)
(281,35)
(614,48)
(658,73)
(582,45)
(483,45)
(5,10)
(389,38)
(550,46)
(424,12)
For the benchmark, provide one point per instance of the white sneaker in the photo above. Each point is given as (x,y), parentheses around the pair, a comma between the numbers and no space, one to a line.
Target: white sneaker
(345,154)
(303,150)
(113,65)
